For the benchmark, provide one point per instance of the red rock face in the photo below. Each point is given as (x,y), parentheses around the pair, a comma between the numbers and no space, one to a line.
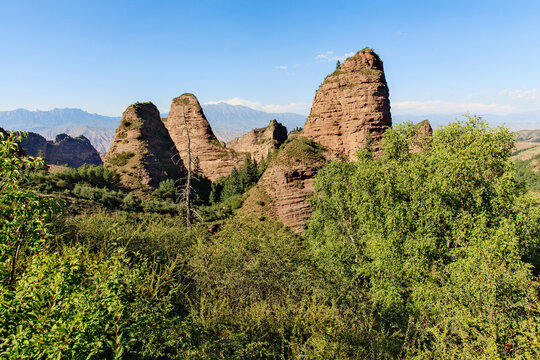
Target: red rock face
(283,190)
(211,157)
(351,107)
(142,151)
(259,142)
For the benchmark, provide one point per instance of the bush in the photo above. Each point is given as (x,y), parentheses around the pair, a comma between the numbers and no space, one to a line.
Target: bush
(73,305)
(121,159)
(132,203)
(435,239)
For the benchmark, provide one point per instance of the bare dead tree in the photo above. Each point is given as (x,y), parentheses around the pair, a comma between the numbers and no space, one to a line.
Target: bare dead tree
(187,189)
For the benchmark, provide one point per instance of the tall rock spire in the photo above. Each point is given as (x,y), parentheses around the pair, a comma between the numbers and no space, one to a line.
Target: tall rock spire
(351,107)
(142,151)
(212,157)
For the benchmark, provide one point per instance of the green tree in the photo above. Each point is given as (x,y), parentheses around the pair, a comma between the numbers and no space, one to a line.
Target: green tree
(438,235)
(232,185)
(338,65)
(249,172)
(23,213)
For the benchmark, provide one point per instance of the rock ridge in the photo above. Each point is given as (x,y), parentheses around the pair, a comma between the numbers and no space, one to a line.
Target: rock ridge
(64,149)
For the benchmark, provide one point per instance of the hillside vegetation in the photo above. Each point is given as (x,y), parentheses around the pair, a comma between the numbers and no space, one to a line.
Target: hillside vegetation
(429,251)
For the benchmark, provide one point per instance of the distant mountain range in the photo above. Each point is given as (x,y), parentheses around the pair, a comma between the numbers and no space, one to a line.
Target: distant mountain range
(513,121)
(227,121)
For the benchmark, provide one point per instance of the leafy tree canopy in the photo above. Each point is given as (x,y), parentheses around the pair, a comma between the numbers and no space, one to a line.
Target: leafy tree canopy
(437,233)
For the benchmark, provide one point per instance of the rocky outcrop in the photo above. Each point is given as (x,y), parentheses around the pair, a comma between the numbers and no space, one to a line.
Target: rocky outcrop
(63,150)
(283,190)
(351,107)
(260,142)
(212,158)
(142,151)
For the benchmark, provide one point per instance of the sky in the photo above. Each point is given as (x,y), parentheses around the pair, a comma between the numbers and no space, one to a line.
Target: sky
(101,56)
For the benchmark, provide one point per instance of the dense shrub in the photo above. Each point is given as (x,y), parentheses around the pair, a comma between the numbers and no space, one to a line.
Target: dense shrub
(237,182)
(528,173)
(435,238)
(71,304)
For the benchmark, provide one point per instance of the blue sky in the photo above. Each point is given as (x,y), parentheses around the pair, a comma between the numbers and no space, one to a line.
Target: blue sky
(101,56)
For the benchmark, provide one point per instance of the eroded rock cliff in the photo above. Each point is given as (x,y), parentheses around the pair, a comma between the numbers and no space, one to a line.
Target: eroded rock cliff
(259,142)
(63,150)
(142,151)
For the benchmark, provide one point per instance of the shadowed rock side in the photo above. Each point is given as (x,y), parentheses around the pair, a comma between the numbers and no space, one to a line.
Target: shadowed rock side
(351,106)
(210,156)
(142,151)
(283,190)
(259,142)
(63,150)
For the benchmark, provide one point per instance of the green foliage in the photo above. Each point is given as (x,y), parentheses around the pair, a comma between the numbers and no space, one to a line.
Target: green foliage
(23,213)
(338,65)
(71,304)
(121,159)
(301,149)
(236,183)
(425,251)
(232,185)
(161,207)
(167,190)
(94,175)
(435,239)
(132,202)
(109,198)
(527,174)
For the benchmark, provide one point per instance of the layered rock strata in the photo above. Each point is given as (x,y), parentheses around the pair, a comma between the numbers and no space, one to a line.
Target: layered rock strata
(209,156)
(283,190)
(142,151)
(351,108)
(63,150)
(260,142)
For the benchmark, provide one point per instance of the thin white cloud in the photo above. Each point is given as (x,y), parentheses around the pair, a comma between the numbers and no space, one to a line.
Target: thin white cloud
(449,107)
(399,33)
(297,107)
(526,94)
(330,56)
(282,67)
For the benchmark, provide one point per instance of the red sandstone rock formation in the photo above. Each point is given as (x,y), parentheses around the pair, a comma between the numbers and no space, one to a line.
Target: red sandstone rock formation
(142,151)
(211,157)
(260,142)
(351,107)
(284,188)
